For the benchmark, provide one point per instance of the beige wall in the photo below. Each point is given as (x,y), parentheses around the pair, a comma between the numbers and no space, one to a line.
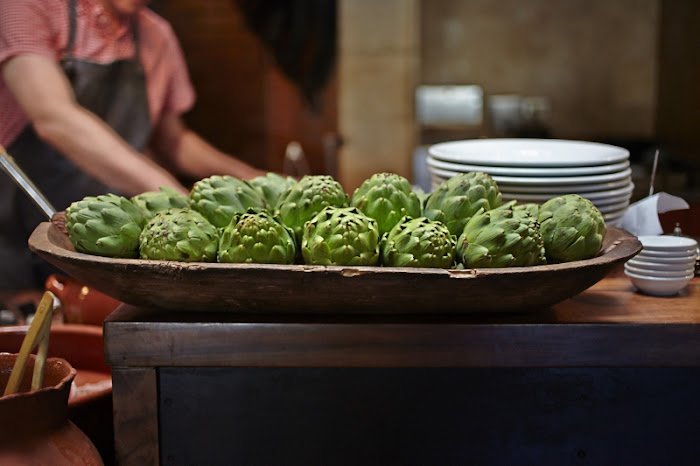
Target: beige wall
(377,75)
(595,60)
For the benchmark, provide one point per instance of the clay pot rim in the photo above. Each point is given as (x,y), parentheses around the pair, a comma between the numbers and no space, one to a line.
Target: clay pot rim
(53,361)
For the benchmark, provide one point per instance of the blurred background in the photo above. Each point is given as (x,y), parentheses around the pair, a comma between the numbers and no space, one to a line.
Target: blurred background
(364,86)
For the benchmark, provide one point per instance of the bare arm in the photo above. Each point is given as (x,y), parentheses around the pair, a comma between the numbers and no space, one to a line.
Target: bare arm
(44,93)
(187,153)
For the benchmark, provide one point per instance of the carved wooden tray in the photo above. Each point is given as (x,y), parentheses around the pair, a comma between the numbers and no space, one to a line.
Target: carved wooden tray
(302,289)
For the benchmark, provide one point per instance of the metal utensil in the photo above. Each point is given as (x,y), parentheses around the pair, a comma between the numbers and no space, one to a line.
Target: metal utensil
(653,172)
(15,172)
(295,162)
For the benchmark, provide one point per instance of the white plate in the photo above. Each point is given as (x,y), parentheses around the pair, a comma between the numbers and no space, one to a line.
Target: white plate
(566,189)
(658,286)
(617,222)
(685,266)
(667,243)
(682,259)
(528,152)
(604,209)
(594,196)
(614,215)
(610,200)
(659,273)
(546,181)
(529,171)
(541,198)
(437,178)
(652,253)
(562,180)
(613,208)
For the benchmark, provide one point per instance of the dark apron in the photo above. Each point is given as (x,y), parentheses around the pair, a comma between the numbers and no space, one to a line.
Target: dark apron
(115,92)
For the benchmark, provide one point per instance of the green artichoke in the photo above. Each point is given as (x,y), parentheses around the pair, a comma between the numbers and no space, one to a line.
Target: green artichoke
(387,198)
(418,242)
(501,238)
(422,196)
(219,198)
(340,236)
(182,235)
(256,237)
(458,198)
(572,228)
(300,202)
(105,225)
(520,209)
(271,186)
(529,208)
(153,202)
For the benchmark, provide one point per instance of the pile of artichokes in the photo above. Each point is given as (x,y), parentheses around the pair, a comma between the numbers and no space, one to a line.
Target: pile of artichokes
(272,219)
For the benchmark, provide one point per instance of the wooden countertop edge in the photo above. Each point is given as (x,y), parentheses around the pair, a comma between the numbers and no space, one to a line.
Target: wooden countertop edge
(402,345)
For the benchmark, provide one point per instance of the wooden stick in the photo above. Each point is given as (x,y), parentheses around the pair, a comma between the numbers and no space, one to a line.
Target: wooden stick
(38,334)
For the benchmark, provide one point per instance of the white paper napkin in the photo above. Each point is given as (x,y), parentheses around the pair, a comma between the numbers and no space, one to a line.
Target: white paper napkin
(642,217)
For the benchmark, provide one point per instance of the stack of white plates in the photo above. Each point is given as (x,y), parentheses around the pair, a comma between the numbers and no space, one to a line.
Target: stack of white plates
(535,170)
(664,266)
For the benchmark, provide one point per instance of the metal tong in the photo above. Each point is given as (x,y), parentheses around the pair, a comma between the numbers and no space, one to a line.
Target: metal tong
(15,172)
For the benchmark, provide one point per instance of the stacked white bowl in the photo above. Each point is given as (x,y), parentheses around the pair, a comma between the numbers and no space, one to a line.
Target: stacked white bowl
(664,266)
(536,170)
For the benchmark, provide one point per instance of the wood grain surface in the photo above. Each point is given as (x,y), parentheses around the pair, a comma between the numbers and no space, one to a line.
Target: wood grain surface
(253,288)
(608,325)
(135,399)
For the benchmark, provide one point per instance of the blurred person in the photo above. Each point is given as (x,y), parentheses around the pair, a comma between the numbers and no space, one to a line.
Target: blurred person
(91,98)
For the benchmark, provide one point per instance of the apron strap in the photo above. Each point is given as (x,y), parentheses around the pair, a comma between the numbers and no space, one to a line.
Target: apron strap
(72,25)
(72,20)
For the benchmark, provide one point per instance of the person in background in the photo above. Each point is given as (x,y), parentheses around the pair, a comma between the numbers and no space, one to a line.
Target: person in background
(91,98)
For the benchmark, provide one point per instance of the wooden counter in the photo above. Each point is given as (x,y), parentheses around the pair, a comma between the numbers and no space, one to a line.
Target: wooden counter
(609,376)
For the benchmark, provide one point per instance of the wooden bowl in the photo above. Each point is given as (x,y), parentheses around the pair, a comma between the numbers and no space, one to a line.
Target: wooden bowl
(252,288)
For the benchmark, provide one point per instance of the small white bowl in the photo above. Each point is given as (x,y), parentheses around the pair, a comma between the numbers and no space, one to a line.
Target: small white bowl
(659,273)
(686,266)
(667,243)
(658,286)
(682,253)
(642,256)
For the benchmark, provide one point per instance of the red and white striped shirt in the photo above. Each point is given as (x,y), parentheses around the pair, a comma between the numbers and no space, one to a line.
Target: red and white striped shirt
(41,27)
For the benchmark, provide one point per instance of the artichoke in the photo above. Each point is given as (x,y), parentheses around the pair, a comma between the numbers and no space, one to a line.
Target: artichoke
(340,236)
(105,225)
(418,242)
(256,237)
(271,186)
(300,202)
(153,202)
(572,228)
(177,234)
(529,208)
(501,238)
(458,198)
(422,196)
(387,198)
(219,198)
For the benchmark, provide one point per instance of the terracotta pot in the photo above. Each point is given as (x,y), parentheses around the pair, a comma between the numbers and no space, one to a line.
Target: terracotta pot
(80,304)
(35,428)
(90,400)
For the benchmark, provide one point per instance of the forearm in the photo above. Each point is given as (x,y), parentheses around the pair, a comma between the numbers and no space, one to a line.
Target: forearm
(45,95)
(199,159)
(99,151)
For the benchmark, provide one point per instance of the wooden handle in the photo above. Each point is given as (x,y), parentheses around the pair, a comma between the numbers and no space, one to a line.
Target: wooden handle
(38,335)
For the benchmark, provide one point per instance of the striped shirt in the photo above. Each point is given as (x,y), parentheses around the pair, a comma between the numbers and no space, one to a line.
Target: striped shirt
(41,27)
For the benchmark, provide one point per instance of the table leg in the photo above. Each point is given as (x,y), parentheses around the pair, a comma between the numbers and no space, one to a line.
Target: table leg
(135,400)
